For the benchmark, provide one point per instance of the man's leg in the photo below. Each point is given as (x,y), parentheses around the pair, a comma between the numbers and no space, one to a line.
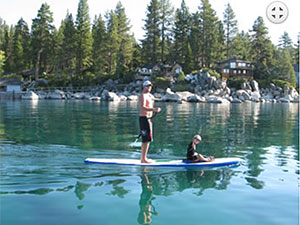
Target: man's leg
(144,152)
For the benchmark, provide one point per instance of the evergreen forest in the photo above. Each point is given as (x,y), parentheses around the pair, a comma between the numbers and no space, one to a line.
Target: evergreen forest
(84,51)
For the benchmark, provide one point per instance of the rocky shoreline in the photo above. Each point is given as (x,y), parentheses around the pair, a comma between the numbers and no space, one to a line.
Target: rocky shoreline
(202,88)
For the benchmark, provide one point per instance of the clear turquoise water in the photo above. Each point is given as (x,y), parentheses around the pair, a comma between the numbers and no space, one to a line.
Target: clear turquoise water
(44,180)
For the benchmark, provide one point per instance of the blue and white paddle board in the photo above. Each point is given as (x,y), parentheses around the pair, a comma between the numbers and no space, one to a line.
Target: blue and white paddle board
(166,162)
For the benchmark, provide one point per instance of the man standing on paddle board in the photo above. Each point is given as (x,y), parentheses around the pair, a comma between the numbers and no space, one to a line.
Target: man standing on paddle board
(146,101)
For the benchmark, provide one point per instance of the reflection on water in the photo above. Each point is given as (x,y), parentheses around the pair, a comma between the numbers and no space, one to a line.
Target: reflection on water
(43,144)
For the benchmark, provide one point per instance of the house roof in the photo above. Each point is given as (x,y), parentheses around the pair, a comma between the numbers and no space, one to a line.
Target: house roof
(12,81)
(159,64)
(234,59)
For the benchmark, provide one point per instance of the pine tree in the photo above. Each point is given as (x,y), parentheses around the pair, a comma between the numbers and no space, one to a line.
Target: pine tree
(136,55)
(195,40)
(182,30)
(3,27)
(188,60)
(2,61)
(42,34)
(166,19)
(83,38)
(99,37)
(8,49)
(21,47)
(68,48)
(208,34)
(220,50)
(261,51)
(17,53)
(231,30)
(56,50)
(285,41)
(112,43)
(151,43)
(295,54)
(23,30)
(284,68)
(124,55)
(241,46)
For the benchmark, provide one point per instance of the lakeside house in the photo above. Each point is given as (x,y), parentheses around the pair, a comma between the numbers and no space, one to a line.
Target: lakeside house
(10,85)
(151,70)
(235,68)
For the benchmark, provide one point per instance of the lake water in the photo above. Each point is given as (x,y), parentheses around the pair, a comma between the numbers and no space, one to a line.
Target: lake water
(44,179)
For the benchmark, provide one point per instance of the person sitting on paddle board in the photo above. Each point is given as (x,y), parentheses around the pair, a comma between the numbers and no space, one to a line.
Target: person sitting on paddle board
(194,156)
(146,112)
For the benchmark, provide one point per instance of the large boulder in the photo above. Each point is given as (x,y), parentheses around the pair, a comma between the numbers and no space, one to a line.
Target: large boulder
(110,85)
(246,86)
(293,93)
(109,96)
(30,95)
(286,90)
(286,99)
(171,96)
(220,84)
(268,97)
(57,94)
(123,98)
(236,100)
(243,95)
(81,95)
(132,98)
(215,99)
(95,98)
(184,95)
(196,98)
(255,96)
(254,85)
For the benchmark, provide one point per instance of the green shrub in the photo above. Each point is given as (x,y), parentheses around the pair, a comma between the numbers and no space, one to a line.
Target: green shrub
(181,77)
(11,76)
(211,72)
(56,80)
(281,83)
(236,83)
(162,82)
(127,78)
(182,87)
(194,72)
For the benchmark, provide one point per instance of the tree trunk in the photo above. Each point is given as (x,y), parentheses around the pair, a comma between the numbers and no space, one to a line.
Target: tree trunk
(37,64)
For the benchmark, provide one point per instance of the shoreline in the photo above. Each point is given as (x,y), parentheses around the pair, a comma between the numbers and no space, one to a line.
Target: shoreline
(174,97)
(201,87)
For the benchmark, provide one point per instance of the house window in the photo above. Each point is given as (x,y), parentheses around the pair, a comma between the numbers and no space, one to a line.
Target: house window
(239,71)
(234,71)
(242,64)
(248,65)
(225,70)
(244,71)
(232,65)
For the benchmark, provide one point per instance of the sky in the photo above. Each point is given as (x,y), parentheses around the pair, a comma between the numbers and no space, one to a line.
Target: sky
(246,11)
